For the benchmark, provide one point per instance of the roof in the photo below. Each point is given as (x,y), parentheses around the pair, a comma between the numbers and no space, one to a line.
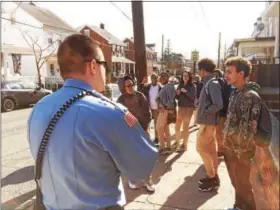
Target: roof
(105,34)
(147,48)
(237,41)
(45,16)
(116,59)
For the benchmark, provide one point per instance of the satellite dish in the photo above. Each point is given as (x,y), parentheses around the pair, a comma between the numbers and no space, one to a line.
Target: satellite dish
(260,26)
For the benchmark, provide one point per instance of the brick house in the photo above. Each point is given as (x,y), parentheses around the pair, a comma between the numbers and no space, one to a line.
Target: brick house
(113,50)
(130,54)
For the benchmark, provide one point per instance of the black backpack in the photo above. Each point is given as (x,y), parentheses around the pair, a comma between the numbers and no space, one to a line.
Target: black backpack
(264,127)
(226,91)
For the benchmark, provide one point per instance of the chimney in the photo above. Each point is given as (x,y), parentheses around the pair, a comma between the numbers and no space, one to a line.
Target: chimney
(102,26)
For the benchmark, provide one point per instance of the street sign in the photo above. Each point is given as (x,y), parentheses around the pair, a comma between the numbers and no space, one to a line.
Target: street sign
(195,55)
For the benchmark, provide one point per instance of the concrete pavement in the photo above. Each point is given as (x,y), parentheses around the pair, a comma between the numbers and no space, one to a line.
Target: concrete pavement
(175,176)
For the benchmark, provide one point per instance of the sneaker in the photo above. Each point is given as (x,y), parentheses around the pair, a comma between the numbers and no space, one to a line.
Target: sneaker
(180,148)
(220,154)
(156,141)
(210,185)
(150,187)
(132,186)
(168,150)
(201,181)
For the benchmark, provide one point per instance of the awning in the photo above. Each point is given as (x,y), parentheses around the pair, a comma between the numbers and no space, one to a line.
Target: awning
(116,59)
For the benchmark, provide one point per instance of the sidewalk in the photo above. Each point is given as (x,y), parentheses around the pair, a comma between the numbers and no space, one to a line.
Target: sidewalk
(176,176)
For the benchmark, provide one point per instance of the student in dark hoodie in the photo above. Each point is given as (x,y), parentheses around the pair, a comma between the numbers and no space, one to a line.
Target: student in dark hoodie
(138,105)
(240,128)
(135,101)
(186,98)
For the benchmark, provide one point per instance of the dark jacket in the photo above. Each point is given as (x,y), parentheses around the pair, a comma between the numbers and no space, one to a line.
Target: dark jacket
(186,99)
(146,90)
(137,104)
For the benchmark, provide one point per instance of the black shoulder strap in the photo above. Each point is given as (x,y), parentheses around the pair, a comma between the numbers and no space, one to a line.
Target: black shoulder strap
(38,205)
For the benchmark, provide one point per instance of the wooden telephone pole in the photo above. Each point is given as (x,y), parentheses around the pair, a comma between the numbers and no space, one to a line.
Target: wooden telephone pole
(139,41)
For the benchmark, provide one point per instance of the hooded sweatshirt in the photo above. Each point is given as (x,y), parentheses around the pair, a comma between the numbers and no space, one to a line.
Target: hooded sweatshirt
(242,118)
(136,103)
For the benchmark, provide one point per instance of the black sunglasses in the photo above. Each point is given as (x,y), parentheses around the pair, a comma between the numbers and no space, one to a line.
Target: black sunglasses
(97,61)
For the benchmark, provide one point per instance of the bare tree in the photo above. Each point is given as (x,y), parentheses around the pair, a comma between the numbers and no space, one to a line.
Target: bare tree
(42,53)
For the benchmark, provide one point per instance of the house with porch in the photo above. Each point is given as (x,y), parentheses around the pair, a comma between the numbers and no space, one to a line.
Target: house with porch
(31,33)
(130,54)
(263,45)
(262,49)
(112,48)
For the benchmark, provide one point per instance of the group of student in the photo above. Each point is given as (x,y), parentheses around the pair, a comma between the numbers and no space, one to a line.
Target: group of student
(206,97)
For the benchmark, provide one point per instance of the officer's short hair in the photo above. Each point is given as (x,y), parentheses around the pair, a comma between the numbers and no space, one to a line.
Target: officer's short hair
(74,51)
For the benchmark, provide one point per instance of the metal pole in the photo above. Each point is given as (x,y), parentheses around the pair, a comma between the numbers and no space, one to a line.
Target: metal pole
(139,41)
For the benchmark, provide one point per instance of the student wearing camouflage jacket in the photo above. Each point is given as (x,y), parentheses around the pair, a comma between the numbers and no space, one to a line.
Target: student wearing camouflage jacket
(240,129)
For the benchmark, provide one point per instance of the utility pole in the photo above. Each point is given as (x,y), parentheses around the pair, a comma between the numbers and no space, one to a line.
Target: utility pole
(225,55)
(162,51)
(139,41)
(219,50)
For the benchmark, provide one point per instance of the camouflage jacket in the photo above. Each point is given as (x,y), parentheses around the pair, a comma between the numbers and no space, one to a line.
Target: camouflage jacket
(242,118)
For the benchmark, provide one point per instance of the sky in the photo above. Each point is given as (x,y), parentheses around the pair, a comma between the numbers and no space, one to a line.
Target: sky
(188,25)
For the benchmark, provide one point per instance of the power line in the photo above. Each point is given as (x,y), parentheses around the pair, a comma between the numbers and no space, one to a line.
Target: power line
(129,18)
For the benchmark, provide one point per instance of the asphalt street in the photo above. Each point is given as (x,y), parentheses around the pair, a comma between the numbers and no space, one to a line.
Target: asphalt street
(17,163)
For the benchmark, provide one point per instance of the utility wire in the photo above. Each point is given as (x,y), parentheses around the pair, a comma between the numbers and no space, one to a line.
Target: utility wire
(129,18)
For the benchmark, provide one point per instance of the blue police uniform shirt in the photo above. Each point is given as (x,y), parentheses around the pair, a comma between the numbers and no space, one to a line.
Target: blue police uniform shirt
(90,147)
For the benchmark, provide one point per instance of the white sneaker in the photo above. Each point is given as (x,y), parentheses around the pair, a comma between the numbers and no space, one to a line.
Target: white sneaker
(132,186)
(150,187)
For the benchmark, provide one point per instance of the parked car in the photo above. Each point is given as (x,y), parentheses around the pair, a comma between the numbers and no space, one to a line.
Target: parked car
(17,93)
(115,91)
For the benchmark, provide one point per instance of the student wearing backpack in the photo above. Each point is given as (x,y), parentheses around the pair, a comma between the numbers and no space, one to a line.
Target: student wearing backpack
(247,124)
(209,104)
(226,92)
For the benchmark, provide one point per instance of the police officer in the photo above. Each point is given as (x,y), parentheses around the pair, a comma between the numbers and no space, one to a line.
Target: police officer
(93,143)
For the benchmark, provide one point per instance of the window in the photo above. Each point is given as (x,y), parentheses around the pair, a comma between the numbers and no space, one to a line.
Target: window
(15,86)
(87,32)
(50,41)
(52,69)
(29,85)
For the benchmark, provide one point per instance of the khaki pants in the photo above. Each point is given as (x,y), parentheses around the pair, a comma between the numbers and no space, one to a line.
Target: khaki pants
(219,132)
(184,116)
(195,117)
(206,147)
(239,173)
(163,129)
(155,116)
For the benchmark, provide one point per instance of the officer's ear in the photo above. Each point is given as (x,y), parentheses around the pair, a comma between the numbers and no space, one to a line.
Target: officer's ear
(93,67)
